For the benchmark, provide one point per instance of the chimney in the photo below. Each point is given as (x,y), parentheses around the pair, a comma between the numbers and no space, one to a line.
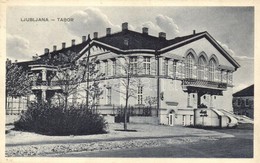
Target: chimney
(46,51)
(194,32)
(63,45)
(95,34)
(54,47)
(162,35)
(145,30)
(108,31)
(84,38)
(125,26)
(73,42)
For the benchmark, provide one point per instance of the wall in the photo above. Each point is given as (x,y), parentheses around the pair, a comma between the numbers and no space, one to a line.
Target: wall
(224,101)
(211,120)
(144,120)
(199,46)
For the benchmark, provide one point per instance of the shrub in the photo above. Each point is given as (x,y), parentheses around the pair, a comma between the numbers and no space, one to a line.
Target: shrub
(54,120)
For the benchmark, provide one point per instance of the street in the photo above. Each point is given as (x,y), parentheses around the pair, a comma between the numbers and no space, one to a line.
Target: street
(241,146)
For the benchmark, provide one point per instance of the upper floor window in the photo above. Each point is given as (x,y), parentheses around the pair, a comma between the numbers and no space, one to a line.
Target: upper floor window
(201,68)
(166,67)
(147,65)
(108,95)
(174,69)
(189,65)
(133,65)
(106,67)
(114,67)
(212,67)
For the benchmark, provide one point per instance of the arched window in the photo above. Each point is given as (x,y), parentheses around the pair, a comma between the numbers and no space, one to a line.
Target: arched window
(189,65)
(212,68)
(201,67)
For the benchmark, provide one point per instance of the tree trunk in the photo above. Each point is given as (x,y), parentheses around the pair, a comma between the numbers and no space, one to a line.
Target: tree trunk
(126,101)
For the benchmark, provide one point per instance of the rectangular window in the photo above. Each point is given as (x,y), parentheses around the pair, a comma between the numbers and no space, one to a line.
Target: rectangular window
(166,67)
(140,95)
(147,65)
(114,67)
(238,102)
(191,119)
(106,68)
(174,69)
(133,65)
(183,120)
(109,95)
(247,102)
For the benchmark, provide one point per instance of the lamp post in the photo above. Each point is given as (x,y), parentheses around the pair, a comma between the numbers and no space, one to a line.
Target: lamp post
(158,82)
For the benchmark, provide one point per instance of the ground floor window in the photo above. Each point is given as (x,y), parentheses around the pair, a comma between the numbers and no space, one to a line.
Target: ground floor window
(109,95)
(140,95)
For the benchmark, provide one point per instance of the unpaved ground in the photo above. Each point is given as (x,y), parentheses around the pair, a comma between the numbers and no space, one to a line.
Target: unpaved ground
(31,144)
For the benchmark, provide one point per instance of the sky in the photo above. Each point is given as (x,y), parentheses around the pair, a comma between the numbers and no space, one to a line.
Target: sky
(232,27)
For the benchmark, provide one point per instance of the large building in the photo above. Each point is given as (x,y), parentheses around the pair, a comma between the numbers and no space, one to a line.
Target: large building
(190,77)
(243,102)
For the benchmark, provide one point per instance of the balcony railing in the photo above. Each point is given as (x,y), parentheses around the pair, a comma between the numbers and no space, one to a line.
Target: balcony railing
(204,84)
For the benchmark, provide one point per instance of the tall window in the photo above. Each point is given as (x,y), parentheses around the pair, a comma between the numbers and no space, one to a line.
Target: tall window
(114,67)
(212,67)
(201,68)
(147,65)
(174,69)
(189,65)
(106,68)
(108,95)
(140,95)
(133,65)
(166,67)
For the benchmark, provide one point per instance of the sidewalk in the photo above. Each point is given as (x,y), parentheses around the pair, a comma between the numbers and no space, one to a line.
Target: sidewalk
(143,131)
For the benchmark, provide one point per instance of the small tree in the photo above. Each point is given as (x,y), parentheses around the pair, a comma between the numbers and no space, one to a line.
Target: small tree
(18,82)
(70,74)
(129,68)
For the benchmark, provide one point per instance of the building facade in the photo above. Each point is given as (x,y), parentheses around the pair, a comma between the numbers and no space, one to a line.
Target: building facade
(182,75)
(243,102)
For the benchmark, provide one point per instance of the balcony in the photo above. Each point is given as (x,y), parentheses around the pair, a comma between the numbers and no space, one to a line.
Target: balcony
(38,85)
(204,84)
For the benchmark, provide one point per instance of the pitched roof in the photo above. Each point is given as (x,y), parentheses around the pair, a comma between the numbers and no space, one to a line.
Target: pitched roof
(53,56)
(137,42)
(249,91)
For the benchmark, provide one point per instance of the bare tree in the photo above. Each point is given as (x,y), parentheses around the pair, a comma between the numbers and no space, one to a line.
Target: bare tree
(129,69)
(150,100)
(71,74)
(18,82)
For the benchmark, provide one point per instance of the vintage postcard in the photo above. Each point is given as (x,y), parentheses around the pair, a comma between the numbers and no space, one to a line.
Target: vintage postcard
(113,80)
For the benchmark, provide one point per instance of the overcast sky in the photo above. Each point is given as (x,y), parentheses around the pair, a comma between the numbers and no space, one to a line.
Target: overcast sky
(232,27)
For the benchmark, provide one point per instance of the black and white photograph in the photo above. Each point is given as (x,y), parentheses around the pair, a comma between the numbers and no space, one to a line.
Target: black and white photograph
(129,81)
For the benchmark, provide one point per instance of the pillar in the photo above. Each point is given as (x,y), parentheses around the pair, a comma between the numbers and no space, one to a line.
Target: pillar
(44,75)
(43,95)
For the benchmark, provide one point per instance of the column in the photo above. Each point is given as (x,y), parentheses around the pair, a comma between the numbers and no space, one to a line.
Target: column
(43,95)
(44,75)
